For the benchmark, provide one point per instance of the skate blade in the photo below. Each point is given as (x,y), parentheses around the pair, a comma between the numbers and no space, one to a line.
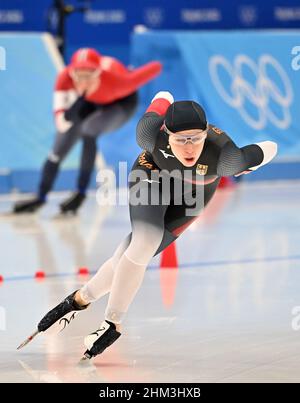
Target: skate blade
(7,214)
(30,338)
(12,215)
(86,358)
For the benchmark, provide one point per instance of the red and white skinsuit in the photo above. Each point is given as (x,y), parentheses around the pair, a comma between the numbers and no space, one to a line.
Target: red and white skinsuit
(115,82)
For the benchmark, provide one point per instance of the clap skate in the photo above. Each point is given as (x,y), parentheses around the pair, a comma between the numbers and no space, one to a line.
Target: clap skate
(99,340)
(72,204)
(60,316)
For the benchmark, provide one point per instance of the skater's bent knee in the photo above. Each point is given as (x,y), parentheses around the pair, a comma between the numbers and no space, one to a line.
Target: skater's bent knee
(54,158)
(143,248)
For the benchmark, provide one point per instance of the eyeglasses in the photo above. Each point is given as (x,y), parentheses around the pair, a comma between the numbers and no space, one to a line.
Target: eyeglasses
(84,75)
(183,139)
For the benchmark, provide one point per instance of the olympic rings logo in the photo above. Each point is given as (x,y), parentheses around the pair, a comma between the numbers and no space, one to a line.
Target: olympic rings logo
(263,94)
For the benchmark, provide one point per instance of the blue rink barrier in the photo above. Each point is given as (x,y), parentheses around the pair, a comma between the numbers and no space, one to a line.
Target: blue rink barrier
(27,131)
(248,83)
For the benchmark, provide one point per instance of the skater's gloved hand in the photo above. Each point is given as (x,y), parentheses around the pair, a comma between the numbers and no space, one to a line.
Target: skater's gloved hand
(62,125)
(164,95)
(269,149)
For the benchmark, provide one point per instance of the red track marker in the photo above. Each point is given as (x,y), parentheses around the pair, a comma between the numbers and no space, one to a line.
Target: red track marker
(83,271)
(226,182)
(169,257)
(40,275)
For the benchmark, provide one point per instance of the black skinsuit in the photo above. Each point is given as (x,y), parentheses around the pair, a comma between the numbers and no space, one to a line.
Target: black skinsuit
(220,157)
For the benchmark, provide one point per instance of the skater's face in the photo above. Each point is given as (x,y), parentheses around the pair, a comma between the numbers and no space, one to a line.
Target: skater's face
(86,81)
(187,145)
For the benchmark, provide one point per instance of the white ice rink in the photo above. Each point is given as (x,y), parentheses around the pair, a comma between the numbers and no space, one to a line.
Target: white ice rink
(228,314)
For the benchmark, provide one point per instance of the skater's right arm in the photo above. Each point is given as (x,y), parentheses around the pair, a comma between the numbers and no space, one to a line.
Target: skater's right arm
(150,124)
(64,96)
(70,106)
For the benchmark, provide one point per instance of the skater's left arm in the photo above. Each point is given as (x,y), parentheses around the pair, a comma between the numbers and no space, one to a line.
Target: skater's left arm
(236,161)
(129,81)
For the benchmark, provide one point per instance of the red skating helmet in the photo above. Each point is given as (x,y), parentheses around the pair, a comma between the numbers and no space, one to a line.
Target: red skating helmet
(86,58)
